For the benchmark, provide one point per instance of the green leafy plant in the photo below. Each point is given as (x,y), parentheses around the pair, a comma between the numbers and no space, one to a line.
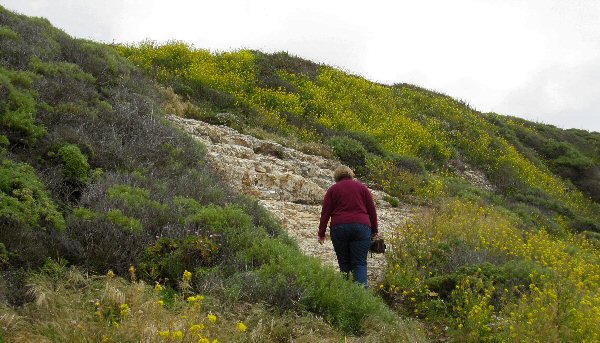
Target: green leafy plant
(24,199)
(118,218)
(350,152)
(75,163)
(17,106)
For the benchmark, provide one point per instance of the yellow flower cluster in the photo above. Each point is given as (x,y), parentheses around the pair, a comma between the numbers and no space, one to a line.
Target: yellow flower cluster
(187,276)
(175,335)
(241,327)
(124,310)
(561,301)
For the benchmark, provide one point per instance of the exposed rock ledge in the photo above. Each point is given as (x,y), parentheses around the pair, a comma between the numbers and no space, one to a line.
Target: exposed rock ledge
(287,182)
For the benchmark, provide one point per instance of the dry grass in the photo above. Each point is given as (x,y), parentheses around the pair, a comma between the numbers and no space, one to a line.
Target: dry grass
(69,306)
(174,104)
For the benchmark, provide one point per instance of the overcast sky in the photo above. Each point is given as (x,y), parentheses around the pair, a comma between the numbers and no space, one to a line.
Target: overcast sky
(536,59)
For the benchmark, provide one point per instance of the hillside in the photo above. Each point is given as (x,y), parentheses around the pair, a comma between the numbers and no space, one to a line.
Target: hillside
(164,193)
(508,226)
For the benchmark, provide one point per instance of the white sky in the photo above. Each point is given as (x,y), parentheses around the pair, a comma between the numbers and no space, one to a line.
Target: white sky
(536,59)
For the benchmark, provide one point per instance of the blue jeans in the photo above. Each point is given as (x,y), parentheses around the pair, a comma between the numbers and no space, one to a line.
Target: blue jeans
(351,243)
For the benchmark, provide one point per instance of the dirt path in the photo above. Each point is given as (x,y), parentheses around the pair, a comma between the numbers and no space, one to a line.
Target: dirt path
(287,182)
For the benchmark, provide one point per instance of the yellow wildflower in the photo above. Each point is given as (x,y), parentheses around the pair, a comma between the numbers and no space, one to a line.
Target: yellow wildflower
(196,328)
(164,334)
(124,310)
(203,340)
(161,303)
(194,299)
(110,274)
(158,287)
(212,318)
(187,276)
(177,335)
(242,327)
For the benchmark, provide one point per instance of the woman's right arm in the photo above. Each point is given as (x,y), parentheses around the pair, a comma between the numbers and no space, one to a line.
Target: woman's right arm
(325,213)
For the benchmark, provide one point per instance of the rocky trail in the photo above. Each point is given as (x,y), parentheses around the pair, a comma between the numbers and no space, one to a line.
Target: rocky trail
(288,183)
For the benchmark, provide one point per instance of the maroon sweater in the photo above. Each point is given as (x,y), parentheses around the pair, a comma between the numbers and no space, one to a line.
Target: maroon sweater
(348,202)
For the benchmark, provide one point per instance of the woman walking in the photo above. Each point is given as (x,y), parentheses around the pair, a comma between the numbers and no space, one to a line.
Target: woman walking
(350,206)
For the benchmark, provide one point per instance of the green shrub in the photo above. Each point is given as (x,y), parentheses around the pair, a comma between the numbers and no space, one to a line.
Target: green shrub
(278,272)
(436,153)
(60,69)
(85,214)
(130,224)
(506,178)
(4,143)
(285,278)
(534,218)
(261,217)
(168,258)
(74,162)
(23,198)
(97,60)
(269,66)
(409,163)
(350,152)
(17,106)
(63,82)
(592,236)
(553,149)
(134,197)
(229,221)
(460,187)
(514,273)
(387,176)
(573,165)
(541,199)
(8,33)
(393,201)
(584,224)
(370,143)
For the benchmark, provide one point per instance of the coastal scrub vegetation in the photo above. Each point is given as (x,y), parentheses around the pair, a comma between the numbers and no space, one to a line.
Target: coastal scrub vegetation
(115,229)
